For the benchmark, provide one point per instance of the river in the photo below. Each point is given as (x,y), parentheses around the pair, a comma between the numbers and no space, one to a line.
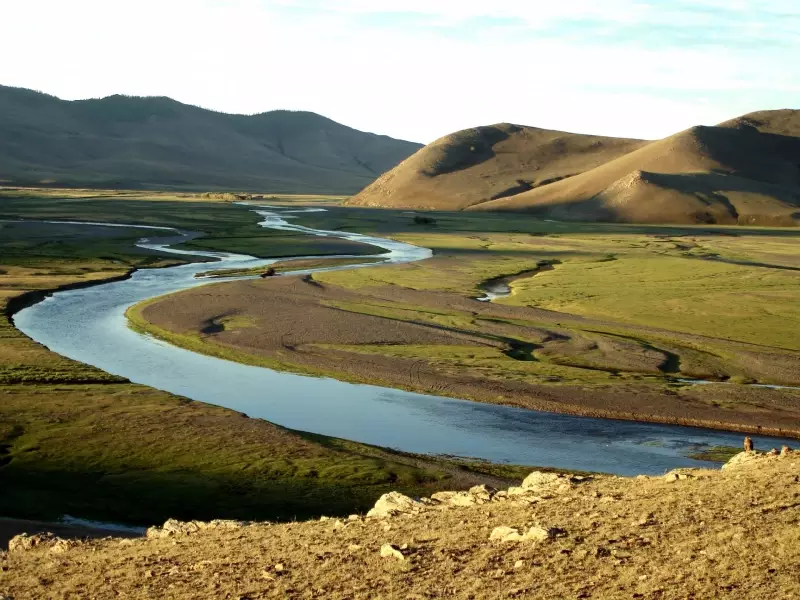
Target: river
(89,325)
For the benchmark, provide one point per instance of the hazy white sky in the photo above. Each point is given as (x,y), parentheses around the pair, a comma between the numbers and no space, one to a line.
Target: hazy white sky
(419,69)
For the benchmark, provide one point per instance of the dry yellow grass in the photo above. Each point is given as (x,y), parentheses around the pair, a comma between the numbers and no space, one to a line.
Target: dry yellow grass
(697,534)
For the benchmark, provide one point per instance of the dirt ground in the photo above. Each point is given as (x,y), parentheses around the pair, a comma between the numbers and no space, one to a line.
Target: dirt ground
(690,534)
(376,335)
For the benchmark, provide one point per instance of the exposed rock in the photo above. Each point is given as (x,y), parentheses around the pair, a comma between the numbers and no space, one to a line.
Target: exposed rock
(540,479)
(535,534)
(394,503)
(23,541)
(741,459)
(539,534)
(391,551)
(647,520)
(540,482)
(505,534)
(174,527)
(443,497)
(61,545)
(463,499)
(482,493)
(681,474)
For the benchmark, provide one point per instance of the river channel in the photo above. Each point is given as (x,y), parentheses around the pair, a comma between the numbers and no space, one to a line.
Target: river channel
(89,325)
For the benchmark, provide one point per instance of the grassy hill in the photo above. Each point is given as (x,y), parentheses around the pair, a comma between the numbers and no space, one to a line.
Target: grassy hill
(129,142)
(487,163)
(744,171)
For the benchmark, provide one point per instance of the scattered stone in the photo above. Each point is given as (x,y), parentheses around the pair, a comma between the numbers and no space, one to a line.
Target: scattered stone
(394,503)
(443,497)
(173,527)
(539,534)
(60,546)
(785,450)
(535,534)
(540,479)
(353,518)
(463,499)
(519,564)
(681,474)
(647,520)
(391,551)
(354,547)
(337,524)
(505,534)
(23,541)
(279,568)
(774,452)
(323,519)
(482,492)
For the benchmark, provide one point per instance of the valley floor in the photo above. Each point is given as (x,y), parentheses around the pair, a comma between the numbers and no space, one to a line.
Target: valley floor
(623,314)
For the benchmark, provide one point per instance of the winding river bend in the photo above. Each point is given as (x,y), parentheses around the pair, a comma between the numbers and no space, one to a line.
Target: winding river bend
(89,325)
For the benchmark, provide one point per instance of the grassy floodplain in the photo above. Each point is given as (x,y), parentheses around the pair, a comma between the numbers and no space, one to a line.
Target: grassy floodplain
(75,440)
(625,312)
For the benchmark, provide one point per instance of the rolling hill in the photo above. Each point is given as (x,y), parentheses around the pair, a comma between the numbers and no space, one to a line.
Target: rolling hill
(744,171)
(487,163)
(157,142)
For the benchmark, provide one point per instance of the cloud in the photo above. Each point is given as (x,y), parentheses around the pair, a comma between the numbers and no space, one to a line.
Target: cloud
(421,68)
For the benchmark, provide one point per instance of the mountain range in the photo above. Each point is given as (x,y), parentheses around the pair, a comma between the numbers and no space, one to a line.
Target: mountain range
(157,142)
(742,171)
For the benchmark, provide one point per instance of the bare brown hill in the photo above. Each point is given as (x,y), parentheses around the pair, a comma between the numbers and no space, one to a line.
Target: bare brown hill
(744,171)
(486,163)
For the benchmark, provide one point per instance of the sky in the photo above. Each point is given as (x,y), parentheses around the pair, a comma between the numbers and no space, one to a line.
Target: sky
(420,69)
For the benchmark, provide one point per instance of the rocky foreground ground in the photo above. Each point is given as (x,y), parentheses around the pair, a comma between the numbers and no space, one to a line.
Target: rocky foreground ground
(700,534)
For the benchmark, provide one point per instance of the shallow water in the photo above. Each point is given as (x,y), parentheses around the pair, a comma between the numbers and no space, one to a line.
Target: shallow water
(89,325)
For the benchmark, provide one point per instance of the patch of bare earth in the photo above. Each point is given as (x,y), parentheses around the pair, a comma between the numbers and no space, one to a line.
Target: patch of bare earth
(733,533)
